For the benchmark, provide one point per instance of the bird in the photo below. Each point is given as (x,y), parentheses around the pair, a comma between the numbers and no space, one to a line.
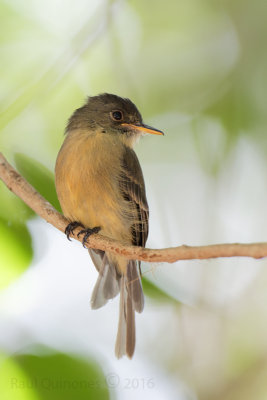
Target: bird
(100,187)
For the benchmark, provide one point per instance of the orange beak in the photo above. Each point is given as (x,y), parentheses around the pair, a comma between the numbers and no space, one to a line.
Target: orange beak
(144,128)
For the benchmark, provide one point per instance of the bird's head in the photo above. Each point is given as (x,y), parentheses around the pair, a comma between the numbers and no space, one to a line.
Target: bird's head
(111,114)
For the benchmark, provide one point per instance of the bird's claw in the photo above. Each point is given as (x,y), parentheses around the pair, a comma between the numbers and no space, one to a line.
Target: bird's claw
(70,228)
(88,232)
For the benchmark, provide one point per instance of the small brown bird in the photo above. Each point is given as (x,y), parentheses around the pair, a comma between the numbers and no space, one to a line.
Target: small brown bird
(100,185)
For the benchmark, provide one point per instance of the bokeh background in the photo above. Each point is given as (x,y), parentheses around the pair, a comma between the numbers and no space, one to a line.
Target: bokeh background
(196,69)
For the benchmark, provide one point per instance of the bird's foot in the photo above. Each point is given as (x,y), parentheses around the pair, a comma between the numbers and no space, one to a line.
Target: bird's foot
(88,232)
(70,228)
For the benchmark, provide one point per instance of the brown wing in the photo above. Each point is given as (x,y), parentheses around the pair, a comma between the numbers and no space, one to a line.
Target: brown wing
(133,190)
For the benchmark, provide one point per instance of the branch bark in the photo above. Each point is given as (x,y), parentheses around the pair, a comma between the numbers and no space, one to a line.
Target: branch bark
(19,186)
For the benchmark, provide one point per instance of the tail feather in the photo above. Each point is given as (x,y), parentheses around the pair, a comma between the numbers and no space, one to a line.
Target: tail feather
(109,283)
(120,346)
(135,286)
(130,327)
(132,299)
(97,258)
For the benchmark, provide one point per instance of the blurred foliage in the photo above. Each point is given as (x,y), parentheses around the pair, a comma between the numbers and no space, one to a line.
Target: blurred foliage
(155,293)
(15,251)
(39,177)
(12,372)
(200,58)
(50,376)
(15,245)
(13,209)
(195,69)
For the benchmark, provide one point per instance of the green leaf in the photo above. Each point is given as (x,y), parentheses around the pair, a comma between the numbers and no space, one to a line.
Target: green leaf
(53,376)
(155,293)
(13,209)
(236,110)
(39,177)
(11,374)
(15,251)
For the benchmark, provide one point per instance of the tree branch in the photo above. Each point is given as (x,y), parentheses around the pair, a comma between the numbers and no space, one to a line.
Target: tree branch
(18,185)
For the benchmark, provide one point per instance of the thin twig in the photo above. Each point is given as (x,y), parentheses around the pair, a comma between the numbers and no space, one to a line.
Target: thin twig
(18,185)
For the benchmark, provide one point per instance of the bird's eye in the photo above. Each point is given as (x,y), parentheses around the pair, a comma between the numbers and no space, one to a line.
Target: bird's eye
(116,115)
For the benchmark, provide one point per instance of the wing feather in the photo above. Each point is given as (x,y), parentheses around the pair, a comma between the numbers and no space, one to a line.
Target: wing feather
(133,190)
